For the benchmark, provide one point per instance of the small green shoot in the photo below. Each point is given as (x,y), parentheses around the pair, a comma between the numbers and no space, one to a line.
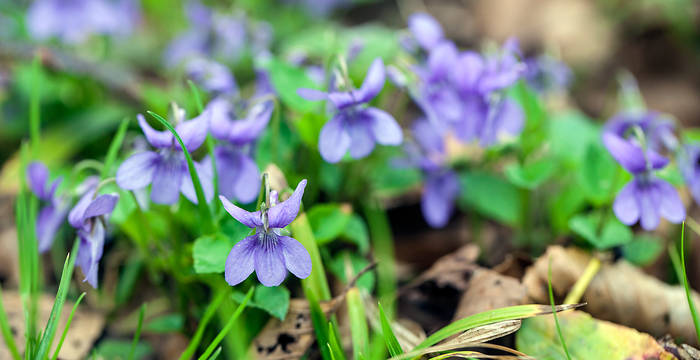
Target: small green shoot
(391,343)
(197,338)
(220,336)
(65,330)
(137,334)
(554,309)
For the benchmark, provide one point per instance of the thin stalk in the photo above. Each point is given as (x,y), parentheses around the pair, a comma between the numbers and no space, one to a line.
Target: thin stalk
(137,334)
(380,233)
(554,310)
(65,330)
(197,338)
(228,326)
(358,324)
(688,293)
(579,288)
(35,107)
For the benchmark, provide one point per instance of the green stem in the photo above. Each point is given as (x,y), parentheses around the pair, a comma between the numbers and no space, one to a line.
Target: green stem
(34,107)
(209,142)
(688,293)
(228,326)
(65,330)
(380,233)
(7,332)
(137,334)
(197,338)
(317,281)
(554,310)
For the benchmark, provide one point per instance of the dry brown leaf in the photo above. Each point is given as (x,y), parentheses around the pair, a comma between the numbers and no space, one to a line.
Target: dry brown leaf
(490,290)
(84,329)
(619,293)
(682,352)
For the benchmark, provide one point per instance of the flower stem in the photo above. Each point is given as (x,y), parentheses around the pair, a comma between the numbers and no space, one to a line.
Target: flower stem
(380,233)
(579,288)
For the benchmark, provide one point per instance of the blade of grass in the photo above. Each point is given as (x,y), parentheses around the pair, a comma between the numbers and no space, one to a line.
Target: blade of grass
(197,338)
(114,147)
(684,279)
(137,334)
(35,106)
(358,324)
(65,330)
(227,328)
(215,354)
(336,350)
(491,317)
(319,322)
(205,213)
(383,244)
(554,310)
(63,286)
(391,343)
(7,331)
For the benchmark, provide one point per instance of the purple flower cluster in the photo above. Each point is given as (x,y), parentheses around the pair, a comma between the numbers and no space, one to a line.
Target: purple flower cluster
(166,169)
(634,140)
(73,21)
(267,252)
(462,91)
(88,217)
(224,37)
(546,74)
(355,127)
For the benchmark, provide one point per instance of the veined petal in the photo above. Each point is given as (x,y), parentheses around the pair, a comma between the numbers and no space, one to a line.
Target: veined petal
(137,171)
(425,29)
(312,94)
(159,139)
(286,211)
(193,132)
(269,265)
(102,205)
(374,81)
(296,258)
(630,156)
(334,140)
(37,176)
(240,261)
(384,127)
(625,206)
(671,207)
(167,178)
(247,218)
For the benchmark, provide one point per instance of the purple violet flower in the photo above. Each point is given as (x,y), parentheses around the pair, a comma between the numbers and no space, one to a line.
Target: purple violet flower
(646,198)
(546,74)
(355,127)
(689,162)
(238,173)
(441,186)
(74,21)
(267,252)
(212,76)
(89,217)
(52,215)
(426,30)
(657,128)
(167,169)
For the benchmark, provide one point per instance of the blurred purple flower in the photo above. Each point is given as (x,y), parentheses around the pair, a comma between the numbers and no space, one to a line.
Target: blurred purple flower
(658,130)
(167,169)
(238,173)
(689,163)
(355,127)
(212,76)
(89,217)
(426,30)
(546,74)
(267,252)
(646,198)
(53,214)
(441,186)
(73,21)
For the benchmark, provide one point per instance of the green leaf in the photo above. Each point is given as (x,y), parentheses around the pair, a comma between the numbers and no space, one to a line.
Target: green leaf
(209,253)
(309,126)
(391,343)
(286,79)
(565,204)
(587,338)
(115,349)
(274,300)
(328,221)
(642,250)
(530,176)
(570,133)
(598,174)
(613,232)
(492,196)
(356,232)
